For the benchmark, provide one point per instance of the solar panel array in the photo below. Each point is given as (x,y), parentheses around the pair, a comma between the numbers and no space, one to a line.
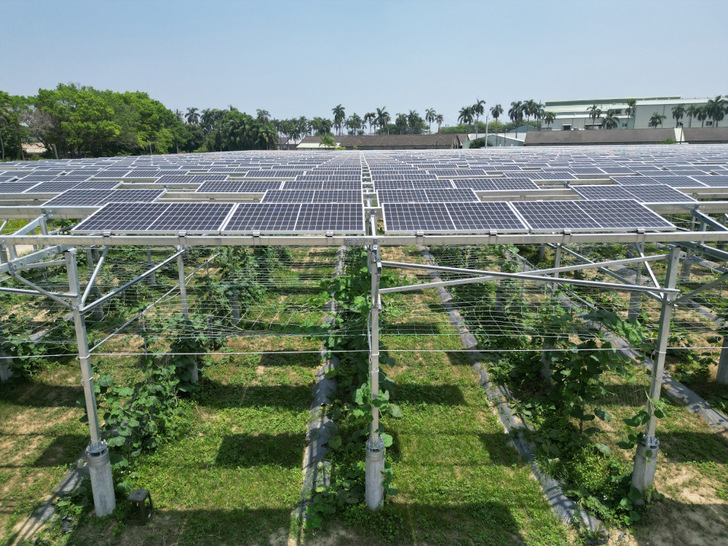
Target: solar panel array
(432,191)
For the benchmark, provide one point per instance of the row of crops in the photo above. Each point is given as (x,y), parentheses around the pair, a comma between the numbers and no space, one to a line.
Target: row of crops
(222,456)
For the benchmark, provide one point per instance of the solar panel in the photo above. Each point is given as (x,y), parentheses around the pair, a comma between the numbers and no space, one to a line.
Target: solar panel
(237,186)
(288,196)
(603,192)
(623,215)
(658,193)
(401,196)
(633,180)
(432,184)
(122,218)
(192,217)
(500,184)
(714,181)
(91,198)
(677,181)
(52,186)
(451,195)
(413,217)
(263,217)
(97,185)
(189,179)
(336,217)
(337,196)
(16,187)
(555,215)
(484,217)
(305,185)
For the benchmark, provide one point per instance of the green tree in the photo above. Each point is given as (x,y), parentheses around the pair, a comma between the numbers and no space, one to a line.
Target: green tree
(370,118)
(439,119)
(715,108)
(594,113)
(465,116)
(478,109)
(631,110)
(192,116)
(354,123)
(382,118)
(549,118)
(692,112)
(415,123)
(496,112)
(677,113)
(339,117)
(702,115)
(611,121)
(515,112)
(430,116)
(327,141)
(655,120)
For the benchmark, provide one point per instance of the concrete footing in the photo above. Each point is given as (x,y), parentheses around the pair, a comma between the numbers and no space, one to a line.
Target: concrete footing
(374,489)
(102,483)
(5,371)
(645,462)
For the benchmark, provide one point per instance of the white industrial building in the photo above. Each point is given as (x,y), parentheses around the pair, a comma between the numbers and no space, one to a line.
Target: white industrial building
(574,114)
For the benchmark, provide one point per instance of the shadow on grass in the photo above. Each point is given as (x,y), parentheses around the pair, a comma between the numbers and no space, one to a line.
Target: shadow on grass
(443,395)
(248,450)
(685,447)
(217,395)
(499,450)
(63,449)
(26,392)
(671,522)
(307,360)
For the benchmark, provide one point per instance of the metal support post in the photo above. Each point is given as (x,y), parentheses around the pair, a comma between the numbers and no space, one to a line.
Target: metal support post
(635,298)
(152,279)
(722,377)
(557,264)
(645,461)
(374,490)
(97,453)
(6,372)
(687,263)
(195,374)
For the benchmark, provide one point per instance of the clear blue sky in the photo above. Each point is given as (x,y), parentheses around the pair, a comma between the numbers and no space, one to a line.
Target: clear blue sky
(304,57)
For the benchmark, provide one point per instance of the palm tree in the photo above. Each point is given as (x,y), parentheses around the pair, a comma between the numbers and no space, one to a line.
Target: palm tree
(478,109)
(496,112)
(691,112)
(655,120)
(594,113)
(702,115)
(678,112)
(414,121)
(529,108)
(516,112)
(538,113)
(382,118)
(339,116)
(465,116)
(715,109)
(192,117)
(369,118)
(430,116)
(631,109)
(549,118)
(439,119)
(263,116)
(611,121)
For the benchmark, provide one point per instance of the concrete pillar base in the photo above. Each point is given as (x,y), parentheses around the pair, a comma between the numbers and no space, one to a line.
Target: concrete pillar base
(195,373)
(102,483)
(645,462)
(685,270)
(374,489)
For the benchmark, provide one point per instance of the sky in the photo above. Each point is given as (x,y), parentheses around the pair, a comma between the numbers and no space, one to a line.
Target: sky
(304,57)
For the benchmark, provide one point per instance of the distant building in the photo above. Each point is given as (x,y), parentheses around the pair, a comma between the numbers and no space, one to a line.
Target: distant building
(438,141)
(574,114)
